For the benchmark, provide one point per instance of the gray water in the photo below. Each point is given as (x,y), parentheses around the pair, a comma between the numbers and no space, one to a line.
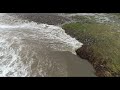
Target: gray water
(46,18)
(31,49)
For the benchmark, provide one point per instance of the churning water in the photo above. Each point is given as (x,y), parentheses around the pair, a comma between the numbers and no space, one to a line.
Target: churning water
(28,49)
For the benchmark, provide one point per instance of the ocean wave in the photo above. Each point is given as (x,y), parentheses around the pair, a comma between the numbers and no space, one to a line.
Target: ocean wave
(21,42)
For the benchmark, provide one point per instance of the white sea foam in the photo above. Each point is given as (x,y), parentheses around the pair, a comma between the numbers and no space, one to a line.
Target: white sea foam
(53,32)
(79,14)
(99,17)
(11,63)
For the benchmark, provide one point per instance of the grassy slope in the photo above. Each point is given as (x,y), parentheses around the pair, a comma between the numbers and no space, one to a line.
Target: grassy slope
(101,45)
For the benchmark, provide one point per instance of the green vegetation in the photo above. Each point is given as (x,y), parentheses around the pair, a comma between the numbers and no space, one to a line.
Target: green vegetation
(101,45)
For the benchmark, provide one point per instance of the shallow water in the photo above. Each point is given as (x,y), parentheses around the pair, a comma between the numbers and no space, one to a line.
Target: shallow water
(28,49)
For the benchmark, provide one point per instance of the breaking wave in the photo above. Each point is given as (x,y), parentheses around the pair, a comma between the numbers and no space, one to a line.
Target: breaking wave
(26,47)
